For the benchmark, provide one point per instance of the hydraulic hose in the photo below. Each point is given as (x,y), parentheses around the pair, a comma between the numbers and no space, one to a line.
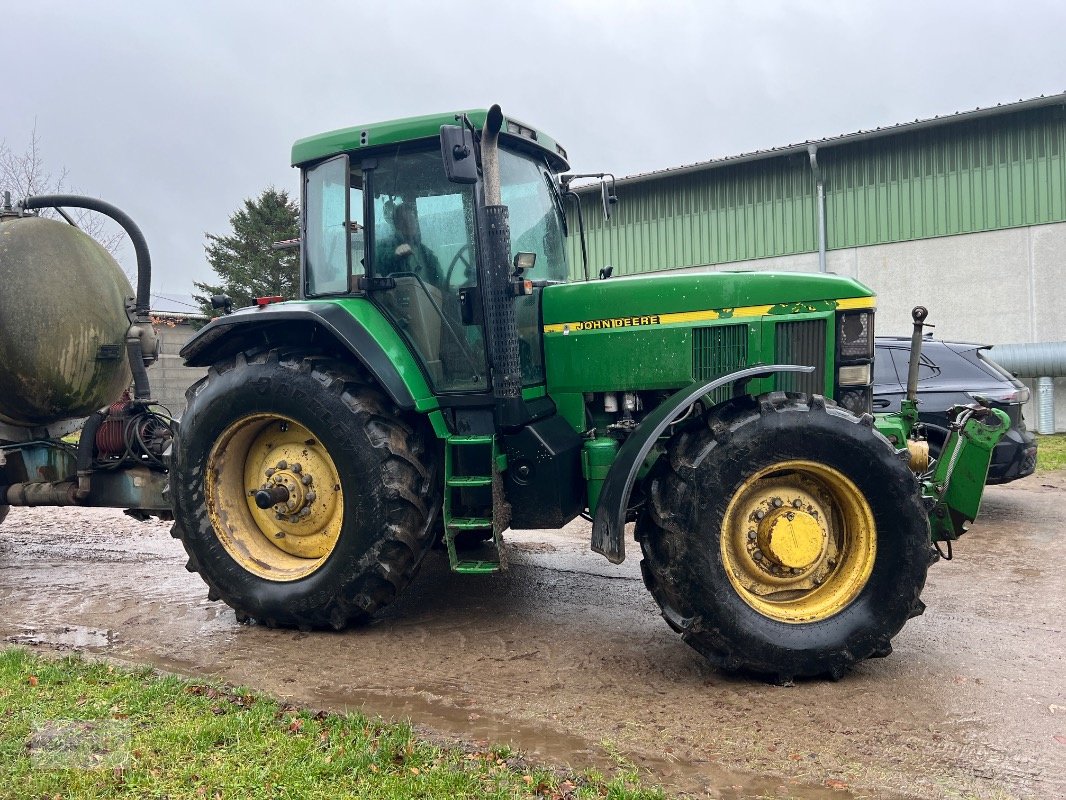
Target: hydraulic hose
(140,245)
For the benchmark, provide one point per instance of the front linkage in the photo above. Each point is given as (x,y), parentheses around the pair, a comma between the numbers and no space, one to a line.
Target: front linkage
(953,486)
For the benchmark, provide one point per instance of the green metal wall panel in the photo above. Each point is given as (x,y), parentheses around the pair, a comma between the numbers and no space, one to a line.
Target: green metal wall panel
(977,176)
(971,176)
(729,214)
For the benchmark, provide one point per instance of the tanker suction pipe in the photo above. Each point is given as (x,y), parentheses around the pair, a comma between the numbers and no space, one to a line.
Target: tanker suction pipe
(142,344)
(140,245)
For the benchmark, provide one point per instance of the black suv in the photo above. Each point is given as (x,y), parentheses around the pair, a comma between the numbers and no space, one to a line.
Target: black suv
(955,373)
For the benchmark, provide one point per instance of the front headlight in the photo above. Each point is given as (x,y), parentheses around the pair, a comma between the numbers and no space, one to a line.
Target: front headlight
(854,375)
(855,335)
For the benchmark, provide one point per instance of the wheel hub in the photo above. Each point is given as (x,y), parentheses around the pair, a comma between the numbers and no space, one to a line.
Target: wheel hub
(300,467)
(275,496)
(298,495)
(798,541)
(791,538)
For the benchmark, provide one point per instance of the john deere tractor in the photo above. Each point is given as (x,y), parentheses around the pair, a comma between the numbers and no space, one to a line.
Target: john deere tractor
(441,379)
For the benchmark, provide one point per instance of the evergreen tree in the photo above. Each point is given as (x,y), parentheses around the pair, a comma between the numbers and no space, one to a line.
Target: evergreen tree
(244,260)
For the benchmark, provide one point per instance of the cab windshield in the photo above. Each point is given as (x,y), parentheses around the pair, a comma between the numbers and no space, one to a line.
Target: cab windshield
(527,189)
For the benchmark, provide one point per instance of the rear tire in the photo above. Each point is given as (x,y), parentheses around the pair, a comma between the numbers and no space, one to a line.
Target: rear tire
(785,538)
(361,480)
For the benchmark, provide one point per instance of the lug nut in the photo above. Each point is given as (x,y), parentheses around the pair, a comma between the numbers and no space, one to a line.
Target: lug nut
(776,502)
(311,497)
(270,472)
(757,555)
(283,464)
(297,468)
(305,480)
(760,514)
(752,536)
(796,503)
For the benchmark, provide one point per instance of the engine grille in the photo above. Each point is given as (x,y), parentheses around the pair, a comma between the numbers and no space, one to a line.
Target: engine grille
(718,350)
(801,342)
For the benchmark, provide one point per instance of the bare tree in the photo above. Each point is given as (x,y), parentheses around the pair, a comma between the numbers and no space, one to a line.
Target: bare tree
(26,173)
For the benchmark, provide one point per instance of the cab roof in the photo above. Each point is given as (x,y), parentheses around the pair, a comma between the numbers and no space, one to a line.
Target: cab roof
(397,131)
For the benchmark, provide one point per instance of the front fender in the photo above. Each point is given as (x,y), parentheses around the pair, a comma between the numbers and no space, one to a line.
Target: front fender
(608,528)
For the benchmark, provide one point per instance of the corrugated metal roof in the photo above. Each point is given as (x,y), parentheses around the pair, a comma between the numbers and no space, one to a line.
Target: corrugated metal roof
(847,138)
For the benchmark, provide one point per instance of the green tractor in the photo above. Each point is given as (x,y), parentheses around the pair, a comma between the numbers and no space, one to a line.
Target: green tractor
(441,380)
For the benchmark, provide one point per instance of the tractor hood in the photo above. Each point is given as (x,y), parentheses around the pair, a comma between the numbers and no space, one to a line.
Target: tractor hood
(664,331)
(662,299)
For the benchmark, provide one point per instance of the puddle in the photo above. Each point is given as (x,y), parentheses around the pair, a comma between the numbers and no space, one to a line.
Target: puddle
(68,637)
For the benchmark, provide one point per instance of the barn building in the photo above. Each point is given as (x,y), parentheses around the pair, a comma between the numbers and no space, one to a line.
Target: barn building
(965,214)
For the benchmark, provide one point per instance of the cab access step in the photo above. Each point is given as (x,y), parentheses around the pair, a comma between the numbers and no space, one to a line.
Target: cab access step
(474,514)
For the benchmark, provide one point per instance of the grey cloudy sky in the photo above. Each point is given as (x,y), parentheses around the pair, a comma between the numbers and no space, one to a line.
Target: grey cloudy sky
(176,112)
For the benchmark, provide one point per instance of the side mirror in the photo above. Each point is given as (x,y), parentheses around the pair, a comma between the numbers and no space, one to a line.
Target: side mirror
(222,302)
(457,150)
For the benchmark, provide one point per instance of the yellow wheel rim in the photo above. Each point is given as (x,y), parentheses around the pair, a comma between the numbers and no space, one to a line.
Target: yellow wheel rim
(798,541)
(293,537)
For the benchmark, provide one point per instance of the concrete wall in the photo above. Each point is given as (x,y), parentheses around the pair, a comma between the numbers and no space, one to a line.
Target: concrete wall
(168,376)
(999,287)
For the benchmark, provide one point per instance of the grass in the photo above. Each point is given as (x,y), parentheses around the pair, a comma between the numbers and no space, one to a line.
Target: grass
(1051,451)
(76,729)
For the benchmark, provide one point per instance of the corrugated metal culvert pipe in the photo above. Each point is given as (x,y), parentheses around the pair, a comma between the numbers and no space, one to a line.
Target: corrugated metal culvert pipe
(1044,361)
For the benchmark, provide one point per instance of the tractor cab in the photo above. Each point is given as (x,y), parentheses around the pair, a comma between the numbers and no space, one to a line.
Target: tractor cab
(385,221)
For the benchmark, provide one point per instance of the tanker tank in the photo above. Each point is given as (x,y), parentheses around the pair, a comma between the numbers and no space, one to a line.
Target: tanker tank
(63,322)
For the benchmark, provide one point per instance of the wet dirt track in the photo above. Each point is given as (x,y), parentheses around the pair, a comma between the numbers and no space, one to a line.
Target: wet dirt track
(567,657)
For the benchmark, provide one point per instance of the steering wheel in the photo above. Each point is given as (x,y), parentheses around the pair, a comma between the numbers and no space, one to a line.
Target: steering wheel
(465,255)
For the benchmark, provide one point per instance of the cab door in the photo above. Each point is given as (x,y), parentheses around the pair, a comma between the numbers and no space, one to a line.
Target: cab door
(423,240)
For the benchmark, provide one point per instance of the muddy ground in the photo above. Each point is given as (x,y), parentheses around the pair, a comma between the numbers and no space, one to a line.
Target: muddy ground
(566,657)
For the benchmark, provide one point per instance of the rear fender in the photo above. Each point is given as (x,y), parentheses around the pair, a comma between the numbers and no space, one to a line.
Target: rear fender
(384,354)
(608,528)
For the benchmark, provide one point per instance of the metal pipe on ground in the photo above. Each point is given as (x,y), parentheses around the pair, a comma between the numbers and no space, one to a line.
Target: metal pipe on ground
(1045,404)
(1042,360)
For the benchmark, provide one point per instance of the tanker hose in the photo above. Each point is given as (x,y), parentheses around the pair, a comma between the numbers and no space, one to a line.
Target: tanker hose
(86,446)
(141,388)
(140,245)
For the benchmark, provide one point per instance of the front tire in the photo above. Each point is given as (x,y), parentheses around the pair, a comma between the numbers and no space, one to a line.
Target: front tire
(354,486)
(784,537)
